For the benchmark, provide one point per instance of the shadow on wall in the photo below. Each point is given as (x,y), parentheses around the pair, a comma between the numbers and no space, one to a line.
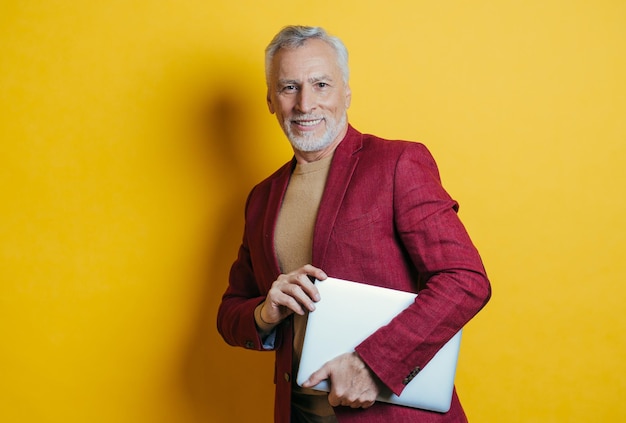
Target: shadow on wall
(224,383)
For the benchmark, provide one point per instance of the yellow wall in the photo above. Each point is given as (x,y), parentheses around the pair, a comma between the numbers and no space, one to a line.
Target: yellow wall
(131,131)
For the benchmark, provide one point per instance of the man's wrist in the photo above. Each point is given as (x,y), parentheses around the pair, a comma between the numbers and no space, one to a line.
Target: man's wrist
(264,326)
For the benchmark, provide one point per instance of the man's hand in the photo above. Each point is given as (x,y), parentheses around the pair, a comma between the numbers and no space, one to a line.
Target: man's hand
(291,293)
(352,383)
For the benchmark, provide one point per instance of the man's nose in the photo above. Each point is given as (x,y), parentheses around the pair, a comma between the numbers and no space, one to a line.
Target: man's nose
(306,100)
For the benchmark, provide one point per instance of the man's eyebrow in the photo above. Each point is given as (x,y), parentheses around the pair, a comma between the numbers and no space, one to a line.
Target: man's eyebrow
(311,80)
(319,78)
(288,82)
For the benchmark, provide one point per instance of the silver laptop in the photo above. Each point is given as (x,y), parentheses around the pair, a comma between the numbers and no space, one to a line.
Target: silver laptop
(349,312)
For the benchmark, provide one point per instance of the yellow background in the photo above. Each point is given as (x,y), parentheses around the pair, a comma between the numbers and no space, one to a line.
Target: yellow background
(131,132)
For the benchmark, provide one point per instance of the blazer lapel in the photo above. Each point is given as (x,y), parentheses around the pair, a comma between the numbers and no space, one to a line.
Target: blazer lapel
(274,201)
(342,168)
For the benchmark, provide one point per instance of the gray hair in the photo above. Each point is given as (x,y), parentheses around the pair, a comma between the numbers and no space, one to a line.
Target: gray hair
(294,36)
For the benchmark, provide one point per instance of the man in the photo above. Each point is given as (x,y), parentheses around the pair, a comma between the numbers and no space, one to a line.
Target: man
(355,207)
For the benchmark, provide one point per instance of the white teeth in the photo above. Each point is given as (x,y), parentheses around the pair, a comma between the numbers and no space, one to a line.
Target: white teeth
(309,122)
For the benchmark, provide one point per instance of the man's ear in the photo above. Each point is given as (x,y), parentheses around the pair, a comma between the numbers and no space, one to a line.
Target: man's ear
(348,96)
(269,102)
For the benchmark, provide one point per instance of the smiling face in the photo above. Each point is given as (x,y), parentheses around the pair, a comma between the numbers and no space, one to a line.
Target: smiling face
(310,98)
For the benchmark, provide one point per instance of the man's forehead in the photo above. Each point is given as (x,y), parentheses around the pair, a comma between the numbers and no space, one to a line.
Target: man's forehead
(301,62)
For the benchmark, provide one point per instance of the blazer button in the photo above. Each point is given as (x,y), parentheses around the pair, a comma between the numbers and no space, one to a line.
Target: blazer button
(249,345)
(287,377)
(411,376)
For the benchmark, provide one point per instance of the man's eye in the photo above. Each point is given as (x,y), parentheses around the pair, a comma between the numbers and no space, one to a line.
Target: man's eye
(288,88)
(322,84)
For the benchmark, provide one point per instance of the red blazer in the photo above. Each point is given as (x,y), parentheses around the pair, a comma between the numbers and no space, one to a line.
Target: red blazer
(384,219)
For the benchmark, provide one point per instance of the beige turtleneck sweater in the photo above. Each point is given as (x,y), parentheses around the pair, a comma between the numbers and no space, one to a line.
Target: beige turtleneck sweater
(293,242)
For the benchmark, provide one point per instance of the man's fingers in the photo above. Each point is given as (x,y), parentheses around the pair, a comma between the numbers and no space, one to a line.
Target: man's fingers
(282,304)
(367,404)
(298,286)
(307,286)
(292,293)
(333,400)
(316,378)
(352,383)
(315,272)
(298,297)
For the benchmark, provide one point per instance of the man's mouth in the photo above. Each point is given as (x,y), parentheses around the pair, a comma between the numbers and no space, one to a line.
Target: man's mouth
(308,122)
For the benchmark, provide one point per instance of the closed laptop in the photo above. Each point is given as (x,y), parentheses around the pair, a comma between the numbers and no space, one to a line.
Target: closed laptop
(349,312)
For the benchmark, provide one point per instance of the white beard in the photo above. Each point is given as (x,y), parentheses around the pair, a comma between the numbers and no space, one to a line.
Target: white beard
(309,142)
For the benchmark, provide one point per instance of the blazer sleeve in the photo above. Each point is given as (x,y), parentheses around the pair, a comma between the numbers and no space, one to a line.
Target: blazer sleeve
(235,317)
(454,284)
